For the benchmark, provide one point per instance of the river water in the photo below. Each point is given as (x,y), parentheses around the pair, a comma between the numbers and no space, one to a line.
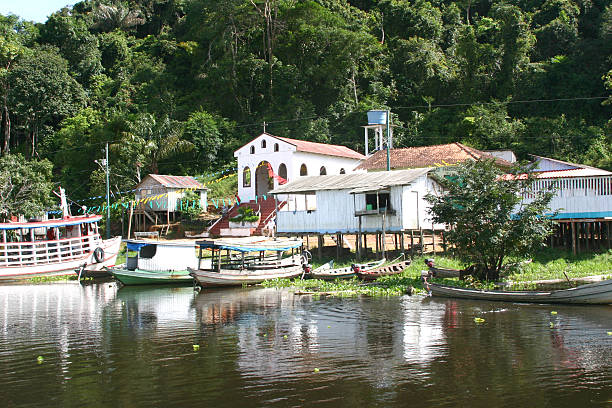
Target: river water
(104,346)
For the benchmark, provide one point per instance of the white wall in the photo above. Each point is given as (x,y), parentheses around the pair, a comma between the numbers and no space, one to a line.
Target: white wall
(547,165)
(578,197)
(335,211)
(287,155)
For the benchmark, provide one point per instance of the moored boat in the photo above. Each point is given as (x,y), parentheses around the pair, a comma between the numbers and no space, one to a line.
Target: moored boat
(395,268)
(54,247)
(593,293)
(247,261)
(327,272)
(442,272)
(156,263)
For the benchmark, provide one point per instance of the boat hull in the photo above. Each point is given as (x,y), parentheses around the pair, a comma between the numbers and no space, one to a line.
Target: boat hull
(140,277)
(110,247)
(393,269)
(594,293)
(343,273)
(444,273)
(226,277)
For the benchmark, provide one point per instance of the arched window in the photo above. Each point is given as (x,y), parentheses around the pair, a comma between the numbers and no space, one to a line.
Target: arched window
(282,172)
(252,149)
(246,177)
(276,147)
(342,171)
(303,170)
(263,144)
(323,171)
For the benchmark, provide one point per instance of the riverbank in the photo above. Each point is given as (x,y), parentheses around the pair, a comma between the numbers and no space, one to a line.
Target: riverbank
(545,265)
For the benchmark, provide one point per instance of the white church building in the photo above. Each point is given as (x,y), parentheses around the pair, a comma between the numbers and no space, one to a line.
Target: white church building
(267,161)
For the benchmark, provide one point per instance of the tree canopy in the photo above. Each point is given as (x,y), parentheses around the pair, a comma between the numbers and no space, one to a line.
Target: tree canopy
(489,215)
(176,85)
(25,186)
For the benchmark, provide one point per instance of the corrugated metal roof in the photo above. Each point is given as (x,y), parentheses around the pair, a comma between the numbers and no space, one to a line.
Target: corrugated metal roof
(364,181)
(570,164)
(177,181)
(585,172)
(427,156)
(322,148)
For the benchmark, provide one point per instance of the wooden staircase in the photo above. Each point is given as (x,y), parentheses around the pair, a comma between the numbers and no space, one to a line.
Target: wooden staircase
(265,208)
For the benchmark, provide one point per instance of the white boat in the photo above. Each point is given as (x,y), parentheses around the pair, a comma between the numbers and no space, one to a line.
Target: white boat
(54,247)
(247,261)
(156,262)
(593,293)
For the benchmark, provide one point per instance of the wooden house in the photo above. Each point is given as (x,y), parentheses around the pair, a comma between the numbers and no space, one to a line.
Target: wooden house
(390,201)
(158,198)
(582,202)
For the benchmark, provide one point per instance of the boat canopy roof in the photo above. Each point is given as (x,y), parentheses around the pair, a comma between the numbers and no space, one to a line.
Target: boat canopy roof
(59,222)
(251,245)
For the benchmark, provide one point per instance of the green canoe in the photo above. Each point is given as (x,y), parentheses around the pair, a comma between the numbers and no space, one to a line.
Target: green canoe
(140,277)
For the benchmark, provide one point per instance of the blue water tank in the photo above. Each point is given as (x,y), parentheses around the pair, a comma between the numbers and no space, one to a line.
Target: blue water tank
(377,117)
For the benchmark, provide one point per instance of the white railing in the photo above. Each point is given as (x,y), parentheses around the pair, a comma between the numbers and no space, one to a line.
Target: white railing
(577,197)
(46,252)
(573,187)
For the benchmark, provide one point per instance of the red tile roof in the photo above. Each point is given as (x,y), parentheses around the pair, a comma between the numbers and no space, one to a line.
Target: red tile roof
(427,156)
(322,148)
(177,181)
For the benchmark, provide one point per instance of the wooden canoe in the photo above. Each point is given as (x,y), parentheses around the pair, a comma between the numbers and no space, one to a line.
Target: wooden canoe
(593,293)
(345,272)
(236,277)
(392,269)
(444,273)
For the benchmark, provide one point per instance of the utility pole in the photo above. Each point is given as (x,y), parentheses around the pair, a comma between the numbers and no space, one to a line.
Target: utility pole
(107,196)
(388,140)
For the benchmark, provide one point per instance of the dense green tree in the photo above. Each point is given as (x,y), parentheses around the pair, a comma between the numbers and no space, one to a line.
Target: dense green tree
(25,186)
(489,219)
(42,91)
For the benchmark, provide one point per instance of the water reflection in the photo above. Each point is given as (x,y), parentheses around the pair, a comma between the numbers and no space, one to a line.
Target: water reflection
(134,347)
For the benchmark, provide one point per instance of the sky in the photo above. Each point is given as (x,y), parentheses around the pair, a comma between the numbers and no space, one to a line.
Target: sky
(33,10)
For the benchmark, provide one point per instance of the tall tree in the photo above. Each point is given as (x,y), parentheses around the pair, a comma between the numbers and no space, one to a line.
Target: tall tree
(43,92)
(489,217)
(25,186)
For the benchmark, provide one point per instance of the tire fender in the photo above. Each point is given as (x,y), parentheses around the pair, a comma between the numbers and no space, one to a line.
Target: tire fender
(98,255)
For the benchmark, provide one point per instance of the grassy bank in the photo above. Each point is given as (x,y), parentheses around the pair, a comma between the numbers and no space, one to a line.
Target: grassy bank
(549,264)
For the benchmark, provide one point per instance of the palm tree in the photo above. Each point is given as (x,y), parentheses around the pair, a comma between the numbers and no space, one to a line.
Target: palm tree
(157,139)
(116,16)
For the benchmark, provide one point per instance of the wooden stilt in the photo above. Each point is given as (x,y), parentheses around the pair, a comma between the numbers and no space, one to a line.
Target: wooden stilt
(421,240)
(411,242)
(573,238)
(587,235)
(443,240)
(402,245)
(433,239)
(320,242)
(338,245)
(377,243)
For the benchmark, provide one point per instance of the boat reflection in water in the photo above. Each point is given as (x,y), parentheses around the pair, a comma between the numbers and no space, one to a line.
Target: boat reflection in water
(269,347)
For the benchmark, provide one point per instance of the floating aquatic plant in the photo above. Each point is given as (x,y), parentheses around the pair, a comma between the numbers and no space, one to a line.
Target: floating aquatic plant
(479,320)
(40,359)
(553,313)
(196,347)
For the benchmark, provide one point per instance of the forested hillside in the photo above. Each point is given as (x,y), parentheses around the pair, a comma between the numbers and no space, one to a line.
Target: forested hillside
(175,86)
